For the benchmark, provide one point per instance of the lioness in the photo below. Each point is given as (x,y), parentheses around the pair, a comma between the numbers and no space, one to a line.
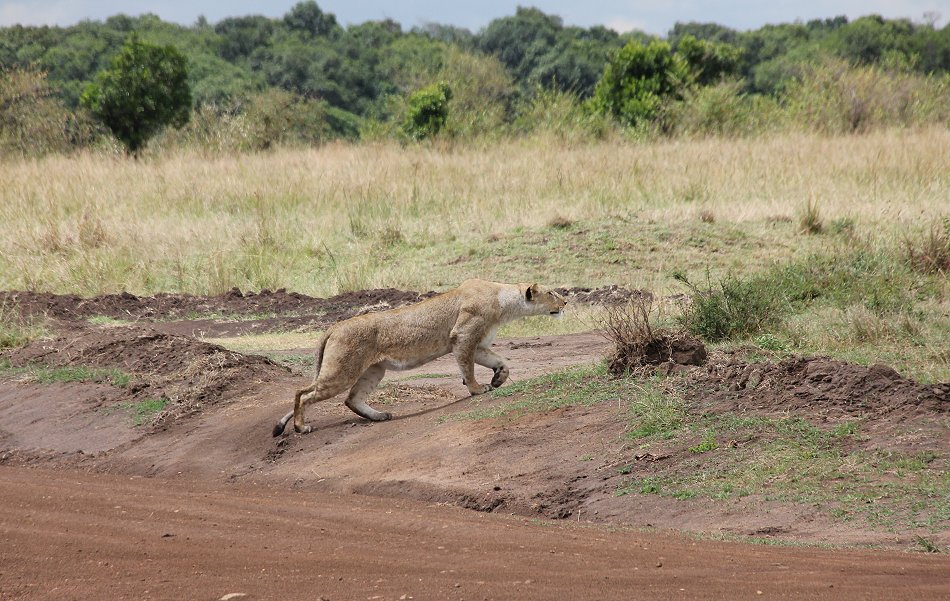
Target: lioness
(355,353)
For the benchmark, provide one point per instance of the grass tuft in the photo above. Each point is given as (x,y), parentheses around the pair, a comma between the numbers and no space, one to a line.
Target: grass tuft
(16,330)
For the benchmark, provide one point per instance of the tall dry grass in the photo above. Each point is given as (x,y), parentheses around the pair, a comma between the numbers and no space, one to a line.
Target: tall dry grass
(343,216)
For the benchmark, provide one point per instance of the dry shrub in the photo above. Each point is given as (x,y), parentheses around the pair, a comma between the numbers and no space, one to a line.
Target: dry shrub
(707,216)
(931,253)
(560,222)
(636,344)
(34,122)
(835,97)
(810,218)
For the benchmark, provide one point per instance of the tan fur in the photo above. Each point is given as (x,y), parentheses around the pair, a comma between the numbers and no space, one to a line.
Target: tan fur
(354,354)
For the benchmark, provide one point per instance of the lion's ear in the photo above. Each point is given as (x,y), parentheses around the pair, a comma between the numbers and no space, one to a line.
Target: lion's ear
(530,292)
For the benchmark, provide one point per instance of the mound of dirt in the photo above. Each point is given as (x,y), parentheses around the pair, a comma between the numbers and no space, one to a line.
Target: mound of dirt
(664,349)
(128,306)
(817,385)
(184,371)
(603,296)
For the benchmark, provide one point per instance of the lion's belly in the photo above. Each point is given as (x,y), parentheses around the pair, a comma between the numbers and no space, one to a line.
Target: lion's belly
(404,363)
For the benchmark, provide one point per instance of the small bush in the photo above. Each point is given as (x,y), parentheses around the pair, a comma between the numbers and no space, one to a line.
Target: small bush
(809,219)
(428,111)
(637,344)
(638,80)
(734,309)
(931,253)
(723,109)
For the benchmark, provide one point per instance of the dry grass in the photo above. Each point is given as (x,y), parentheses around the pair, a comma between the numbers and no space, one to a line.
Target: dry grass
(341,217)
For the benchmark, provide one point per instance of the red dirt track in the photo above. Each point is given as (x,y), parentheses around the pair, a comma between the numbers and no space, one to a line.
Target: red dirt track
(74,535)
(202,503)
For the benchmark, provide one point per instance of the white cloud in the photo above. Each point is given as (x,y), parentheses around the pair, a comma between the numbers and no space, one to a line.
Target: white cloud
(39,13)
(623,25)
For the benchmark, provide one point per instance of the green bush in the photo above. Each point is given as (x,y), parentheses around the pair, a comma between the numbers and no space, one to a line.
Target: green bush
(734,309)
(723,109)
(709,61)
(428,111)
(145,89)
(638,80)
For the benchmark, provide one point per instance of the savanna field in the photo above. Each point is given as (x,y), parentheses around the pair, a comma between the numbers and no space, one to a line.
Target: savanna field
(747,396)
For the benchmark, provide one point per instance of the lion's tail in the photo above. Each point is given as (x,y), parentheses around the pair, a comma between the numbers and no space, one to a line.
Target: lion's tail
(318,363)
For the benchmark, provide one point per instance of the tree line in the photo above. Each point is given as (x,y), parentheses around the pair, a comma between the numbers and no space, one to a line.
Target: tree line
(321,79)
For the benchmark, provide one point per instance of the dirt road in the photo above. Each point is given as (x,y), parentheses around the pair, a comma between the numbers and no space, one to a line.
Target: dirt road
(73,535)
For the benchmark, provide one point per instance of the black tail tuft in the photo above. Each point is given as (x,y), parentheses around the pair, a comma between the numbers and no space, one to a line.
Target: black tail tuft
(279,428)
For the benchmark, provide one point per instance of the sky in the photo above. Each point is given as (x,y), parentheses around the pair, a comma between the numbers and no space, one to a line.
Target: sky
(652,16)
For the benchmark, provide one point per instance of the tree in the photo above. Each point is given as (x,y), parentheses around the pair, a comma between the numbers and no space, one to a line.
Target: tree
(307,18)
(428,110)
(638,79)
(708,61)
(145,89)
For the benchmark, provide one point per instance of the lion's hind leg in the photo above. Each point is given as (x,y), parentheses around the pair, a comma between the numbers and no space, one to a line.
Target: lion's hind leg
(356,400)
(318,391)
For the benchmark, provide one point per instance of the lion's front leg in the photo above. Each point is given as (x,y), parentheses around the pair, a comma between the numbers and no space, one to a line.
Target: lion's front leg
(487,358)
(465,356)
(465,338)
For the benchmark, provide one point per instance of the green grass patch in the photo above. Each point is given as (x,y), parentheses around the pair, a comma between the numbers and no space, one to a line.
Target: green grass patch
(856,301)
(793,460)
(654,413)
(145,410)
(141,412)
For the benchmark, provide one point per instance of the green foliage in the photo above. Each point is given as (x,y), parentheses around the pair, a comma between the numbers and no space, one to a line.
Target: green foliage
(708,443)
(889,71)
(722,109)
(638,80)
(561,114)
(733,309)
(144,90)
(709,61)
(428,111)
(145,410)
(262,121)
(34,122)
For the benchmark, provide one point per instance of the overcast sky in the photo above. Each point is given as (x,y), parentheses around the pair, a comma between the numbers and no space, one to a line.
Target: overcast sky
(653,16)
